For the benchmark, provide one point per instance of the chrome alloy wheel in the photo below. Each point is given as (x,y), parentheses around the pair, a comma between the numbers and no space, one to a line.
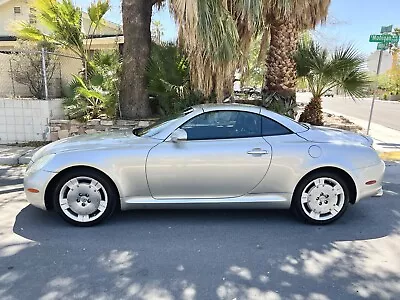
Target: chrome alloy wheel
(322,199)
(83,199)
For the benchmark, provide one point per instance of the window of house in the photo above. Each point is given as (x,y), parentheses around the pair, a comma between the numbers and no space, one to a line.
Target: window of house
(32,16)
(17,9)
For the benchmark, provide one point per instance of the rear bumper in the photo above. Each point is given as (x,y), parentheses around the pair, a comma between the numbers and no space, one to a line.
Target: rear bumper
(364,175)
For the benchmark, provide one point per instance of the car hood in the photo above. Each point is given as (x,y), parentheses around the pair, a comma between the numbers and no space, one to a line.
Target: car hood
(320,134)
(96,141)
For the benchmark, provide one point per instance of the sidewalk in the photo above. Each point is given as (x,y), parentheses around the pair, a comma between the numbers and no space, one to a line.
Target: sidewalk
(14,155)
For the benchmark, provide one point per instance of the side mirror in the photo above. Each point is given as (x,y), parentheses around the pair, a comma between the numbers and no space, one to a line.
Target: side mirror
(178,135)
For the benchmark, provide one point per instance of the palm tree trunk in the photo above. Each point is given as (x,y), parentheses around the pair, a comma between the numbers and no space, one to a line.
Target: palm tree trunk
(313,112)
(134,100)
(279,90)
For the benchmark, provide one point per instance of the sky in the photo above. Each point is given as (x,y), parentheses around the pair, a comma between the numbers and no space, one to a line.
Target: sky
(349,21)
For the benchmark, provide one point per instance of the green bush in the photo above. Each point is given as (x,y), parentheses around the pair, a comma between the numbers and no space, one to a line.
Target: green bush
(96,96)
(169,80)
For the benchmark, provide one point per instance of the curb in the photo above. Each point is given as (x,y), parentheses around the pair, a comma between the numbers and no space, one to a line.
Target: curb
(15,156)
(391,156)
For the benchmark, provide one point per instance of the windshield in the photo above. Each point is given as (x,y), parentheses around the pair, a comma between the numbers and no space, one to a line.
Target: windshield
(159,125)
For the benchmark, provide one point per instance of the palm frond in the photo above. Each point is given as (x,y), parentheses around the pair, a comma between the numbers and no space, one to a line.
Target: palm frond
(97,10)
(343,69)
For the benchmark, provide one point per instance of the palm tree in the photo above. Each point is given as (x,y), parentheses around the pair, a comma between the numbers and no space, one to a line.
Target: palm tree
(136,18)
(157,32)
(343,70)
(287,19)
(63,21)
(217,34)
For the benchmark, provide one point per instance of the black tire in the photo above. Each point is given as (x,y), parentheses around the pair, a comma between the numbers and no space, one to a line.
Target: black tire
(297,208)
(109,190)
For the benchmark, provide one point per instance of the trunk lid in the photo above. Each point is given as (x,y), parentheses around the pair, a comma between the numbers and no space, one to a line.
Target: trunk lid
(320,134)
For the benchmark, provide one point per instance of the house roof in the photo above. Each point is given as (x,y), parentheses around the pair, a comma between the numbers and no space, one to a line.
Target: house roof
(85,15)
(108,23)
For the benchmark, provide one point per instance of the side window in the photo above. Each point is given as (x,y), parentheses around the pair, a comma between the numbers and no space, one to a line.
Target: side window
(223,125)
(271,127)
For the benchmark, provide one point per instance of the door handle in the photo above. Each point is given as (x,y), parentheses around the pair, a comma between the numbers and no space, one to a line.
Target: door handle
(257,151)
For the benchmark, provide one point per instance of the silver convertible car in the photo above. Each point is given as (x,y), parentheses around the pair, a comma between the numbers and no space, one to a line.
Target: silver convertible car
(210,156)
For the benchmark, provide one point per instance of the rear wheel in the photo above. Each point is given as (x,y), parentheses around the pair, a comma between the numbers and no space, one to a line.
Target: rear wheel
(321,198)
(84,197)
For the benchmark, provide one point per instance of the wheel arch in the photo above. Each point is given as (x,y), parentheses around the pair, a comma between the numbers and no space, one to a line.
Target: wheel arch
(50,186)
(340,172)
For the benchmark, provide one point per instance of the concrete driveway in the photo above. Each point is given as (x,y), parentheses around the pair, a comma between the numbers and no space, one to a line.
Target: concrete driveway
(207,254)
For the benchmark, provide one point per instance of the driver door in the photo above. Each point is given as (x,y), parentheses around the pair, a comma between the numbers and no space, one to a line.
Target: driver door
(224,155)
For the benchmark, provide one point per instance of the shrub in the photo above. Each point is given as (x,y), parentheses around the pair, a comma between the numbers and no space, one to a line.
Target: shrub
(169,80)
(27,67)
(96,97)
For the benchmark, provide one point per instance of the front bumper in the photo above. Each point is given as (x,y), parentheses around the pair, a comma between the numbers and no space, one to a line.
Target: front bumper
(37,180)
(362,176)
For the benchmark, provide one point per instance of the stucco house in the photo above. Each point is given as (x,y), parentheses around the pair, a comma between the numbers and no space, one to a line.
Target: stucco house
(13,11)
(108,36)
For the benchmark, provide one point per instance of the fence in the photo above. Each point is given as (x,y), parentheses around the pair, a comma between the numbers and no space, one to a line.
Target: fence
(36,74)
(25,76)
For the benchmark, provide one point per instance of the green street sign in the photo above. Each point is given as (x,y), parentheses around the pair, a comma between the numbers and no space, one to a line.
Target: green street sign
(383,38)
(386,29)
(382,46)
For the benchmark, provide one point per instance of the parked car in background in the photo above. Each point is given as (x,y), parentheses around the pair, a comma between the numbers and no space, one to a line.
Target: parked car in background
(329,93)
(209,156)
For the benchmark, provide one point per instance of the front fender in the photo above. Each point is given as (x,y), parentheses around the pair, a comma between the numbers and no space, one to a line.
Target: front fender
(125,167)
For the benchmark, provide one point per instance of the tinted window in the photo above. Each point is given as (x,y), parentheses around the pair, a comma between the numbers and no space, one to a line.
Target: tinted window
(223,125)
(271,127)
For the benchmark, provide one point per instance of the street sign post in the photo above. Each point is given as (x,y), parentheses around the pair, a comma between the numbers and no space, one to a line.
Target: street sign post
(384,41)
(383,38)
(373,98)
(382,46)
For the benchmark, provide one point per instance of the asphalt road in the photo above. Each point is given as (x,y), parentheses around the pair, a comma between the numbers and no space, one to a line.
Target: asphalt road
(386,113)
(207,254)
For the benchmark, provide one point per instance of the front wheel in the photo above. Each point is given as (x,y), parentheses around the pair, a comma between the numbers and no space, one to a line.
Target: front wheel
(84,197)
(321,198)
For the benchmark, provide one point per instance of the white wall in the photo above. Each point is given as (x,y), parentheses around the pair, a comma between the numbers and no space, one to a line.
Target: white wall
(24,120)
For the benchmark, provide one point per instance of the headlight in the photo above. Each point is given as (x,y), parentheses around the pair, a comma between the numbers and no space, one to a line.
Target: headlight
(39,164)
